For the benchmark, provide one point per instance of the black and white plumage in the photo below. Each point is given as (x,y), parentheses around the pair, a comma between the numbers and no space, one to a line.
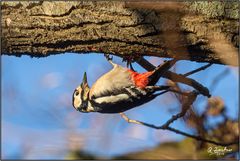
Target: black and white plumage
(119,90)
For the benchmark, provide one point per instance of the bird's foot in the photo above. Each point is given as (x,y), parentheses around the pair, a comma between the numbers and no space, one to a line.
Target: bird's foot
(109,59)
(130,59)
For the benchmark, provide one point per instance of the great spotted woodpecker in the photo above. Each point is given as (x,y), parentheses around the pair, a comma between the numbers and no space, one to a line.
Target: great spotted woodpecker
(119,90)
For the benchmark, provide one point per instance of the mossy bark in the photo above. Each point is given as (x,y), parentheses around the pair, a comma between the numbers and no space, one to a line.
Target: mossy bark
(191,31)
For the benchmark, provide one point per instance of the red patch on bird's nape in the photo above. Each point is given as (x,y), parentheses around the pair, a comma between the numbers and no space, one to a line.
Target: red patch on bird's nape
(140,79)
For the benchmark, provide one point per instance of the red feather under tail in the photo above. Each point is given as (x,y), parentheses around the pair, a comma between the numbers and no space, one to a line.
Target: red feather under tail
(140,79)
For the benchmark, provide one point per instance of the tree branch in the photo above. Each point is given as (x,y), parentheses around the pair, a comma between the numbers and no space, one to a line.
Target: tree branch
(120,29)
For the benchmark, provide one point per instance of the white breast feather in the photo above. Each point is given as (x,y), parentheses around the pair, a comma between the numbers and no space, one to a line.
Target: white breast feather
(112,99)
(117,78)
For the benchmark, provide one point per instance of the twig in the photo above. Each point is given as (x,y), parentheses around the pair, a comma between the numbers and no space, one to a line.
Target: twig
(186,105)
(166,126)
(163,127)
(200,128)
(176,77)
(218,78)
(197,70)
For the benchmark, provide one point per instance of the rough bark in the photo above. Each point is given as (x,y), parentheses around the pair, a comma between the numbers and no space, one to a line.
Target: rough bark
(197,31)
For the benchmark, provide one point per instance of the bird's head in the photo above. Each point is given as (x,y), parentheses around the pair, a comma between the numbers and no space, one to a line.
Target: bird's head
(81,95)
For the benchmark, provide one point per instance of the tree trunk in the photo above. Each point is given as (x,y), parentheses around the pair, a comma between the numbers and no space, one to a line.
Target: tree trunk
(197,31)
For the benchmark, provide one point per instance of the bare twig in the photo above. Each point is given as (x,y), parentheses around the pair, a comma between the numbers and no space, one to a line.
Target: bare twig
(185,106)
(163,127)
(166,126)
(197,70)
(218,78)
(200,128)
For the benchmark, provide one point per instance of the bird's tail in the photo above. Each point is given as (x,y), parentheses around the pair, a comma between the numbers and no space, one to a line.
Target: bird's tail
(160,71)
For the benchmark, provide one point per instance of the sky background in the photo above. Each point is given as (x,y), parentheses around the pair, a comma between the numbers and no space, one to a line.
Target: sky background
(39,122)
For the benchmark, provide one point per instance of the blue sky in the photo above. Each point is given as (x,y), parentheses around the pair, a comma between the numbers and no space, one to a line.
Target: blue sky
(36,106)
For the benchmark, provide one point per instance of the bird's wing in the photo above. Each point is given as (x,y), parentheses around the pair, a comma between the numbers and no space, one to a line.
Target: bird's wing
(125,99)
(125,95)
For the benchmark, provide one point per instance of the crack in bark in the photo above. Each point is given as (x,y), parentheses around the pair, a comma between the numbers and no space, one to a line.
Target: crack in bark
(67,26)
(134,25)
(65,44)
(155,33)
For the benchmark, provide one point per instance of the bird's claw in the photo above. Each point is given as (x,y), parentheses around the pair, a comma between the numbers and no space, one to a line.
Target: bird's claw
(107,56)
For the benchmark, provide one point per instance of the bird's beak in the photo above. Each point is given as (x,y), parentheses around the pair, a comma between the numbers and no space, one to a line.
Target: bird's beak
(84,81)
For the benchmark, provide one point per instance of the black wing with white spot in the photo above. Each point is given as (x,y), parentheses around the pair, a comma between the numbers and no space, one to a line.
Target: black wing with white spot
(124,99)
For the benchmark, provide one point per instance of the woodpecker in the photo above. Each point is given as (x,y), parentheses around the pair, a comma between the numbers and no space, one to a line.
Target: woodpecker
(120,89)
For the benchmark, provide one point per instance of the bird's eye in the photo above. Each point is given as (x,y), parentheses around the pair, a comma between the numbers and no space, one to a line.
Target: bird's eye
(76,93)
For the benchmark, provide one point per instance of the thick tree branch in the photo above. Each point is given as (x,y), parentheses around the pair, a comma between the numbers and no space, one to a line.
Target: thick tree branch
(43,28)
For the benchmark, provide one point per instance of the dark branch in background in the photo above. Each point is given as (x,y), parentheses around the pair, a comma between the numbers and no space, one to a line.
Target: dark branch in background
(215,81)
(197,70)
(186,105)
